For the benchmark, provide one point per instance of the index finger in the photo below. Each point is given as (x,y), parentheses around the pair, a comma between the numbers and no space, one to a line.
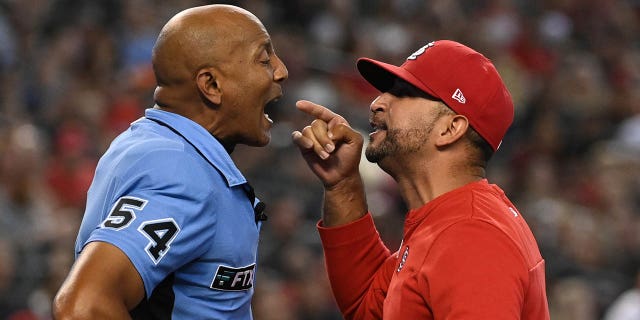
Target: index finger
(316,110)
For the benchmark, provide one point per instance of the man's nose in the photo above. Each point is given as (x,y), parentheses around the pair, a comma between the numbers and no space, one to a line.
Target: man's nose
(280,73)
(380,103)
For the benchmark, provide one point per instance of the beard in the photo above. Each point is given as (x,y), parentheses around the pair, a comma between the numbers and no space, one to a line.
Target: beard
(399,142)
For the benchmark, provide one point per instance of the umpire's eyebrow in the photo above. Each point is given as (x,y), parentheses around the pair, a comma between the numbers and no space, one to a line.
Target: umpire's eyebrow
(268,45)
(265,45)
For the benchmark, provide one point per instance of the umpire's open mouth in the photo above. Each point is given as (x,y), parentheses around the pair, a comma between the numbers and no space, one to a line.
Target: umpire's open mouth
(271,104)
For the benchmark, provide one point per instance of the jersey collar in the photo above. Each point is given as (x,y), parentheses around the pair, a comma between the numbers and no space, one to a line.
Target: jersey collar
(202,140)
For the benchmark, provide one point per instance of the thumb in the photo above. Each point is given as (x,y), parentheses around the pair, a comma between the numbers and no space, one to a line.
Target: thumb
(342,132)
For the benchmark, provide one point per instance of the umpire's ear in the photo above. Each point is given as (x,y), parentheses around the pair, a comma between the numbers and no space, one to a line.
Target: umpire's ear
(208,85)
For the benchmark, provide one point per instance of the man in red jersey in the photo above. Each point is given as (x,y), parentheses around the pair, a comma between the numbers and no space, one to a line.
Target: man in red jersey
(467,252)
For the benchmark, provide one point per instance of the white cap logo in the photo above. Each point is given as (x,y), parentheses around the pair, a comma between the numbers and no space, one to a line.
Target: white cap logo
(420,51)
(458,96)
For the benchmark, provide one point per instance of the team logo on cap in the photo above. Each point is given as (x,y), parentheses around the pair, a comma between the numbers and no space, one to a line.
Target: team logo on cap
(458,96)
(420,51)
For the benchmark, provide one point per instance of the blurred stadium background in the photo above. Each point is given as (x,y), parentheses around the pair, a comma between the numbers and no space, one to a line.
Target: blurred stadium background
(74,73)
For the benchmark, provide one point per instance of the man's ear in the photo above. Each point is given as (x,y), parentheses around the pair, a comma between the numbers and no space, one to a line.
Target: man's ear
(208,85)
(452,129)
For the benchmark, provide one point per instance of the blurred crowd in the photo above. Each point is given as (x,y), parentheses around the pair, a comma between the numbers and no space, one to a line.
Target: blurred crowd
(75,73)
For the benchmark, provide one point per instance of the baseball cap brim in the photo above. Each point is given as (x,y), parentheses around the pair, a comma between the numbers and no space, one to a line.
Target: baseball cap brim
(382,75)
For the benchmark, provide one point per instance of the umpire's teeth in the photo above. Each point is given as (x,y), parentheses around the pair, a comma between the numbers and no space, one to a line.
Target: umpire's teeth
(268,119)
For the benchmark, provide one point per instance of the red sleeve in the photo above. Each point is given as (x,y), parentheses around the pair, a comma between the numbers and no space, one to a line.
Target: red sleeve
(359,267)
(475,271)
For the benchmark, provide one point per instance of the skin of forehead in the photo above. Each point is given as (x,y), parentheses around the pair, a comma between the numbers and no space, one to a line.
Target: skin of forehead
(200,37)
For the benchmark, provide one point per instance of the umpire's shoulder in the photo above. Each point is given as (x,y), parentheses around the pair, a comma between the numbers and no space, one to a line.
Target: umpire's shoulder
(152,156)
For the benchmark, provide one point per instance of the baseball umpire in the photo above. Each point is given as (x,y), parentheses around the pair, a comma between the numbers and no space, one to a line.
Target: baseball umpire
(171,225)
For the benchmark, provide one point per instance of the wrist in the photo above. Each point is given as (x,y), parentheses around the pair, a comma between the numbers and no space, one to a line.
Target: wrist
(344,202)
(347,184)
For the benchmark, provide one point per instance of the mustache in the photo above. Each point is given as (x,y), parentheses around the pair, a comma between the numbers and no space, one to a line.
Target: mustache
(377,124)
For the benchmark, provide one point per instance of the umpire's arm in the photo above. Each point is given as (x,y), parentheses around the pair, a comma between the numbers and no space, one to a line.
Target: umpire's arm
(103,284)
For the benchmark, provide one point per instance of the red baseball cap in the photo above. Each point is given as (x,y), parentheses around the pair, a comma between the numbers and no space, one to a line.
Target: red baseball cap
(465,80)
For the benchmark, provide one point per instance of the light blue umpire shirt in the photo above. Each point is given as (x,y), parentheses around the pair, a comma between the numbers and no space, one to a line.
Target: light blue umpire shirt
(168,194)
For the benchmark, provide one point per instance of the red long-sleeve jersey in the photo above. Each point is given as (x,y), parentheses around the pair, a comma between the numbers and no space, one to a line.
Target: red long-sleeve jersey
(467,254)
